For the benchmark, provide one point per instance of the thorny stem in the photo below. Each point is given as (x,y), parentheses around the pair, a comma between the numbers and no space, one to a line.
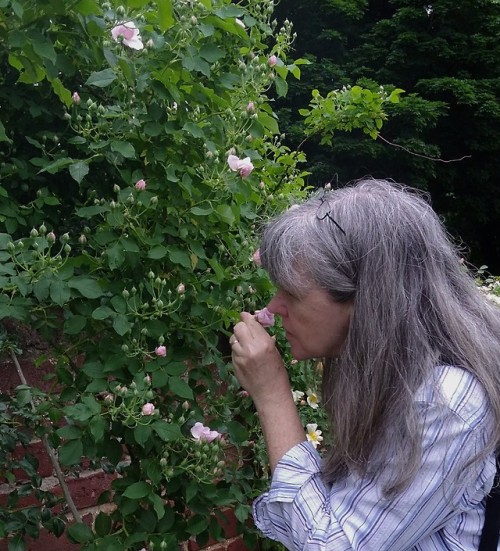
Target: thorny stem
(50,452)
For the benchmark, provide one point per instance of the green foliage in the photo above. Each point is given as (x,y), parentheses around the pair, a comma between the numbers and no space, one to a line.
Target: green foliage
(127,242)
(347,109)
(444,133)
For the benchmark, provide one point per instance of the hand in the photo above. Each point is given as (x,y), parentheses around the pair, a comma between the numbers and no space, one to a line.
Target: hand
(257,362)
(260,371)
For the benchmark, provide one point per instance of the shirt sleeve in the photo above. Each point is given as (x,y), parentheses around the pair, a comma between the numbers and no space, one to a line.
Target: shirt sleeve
(304,513)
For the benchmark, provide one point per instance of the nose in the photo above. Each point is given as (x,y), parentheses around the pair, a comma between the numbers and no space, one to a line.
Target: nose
(277,305)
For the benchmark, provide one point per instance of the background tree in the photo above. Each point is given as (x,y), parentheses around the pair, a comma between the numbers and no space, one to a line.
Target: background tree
(446,57)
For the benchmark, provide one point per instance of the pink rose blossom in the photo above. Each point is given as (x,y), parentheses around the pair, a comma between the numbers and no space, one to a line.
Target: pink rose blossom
(181,288)
(161,351)
(129,34)
(148,409)
(75,98)
(140,185)
(264,317)
(200,432)
(243,166)
(272,61)
(256,258)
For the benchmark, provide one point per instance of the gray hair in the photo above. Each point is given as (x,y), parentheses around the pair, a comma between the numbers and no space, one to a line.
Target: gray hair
(415,307)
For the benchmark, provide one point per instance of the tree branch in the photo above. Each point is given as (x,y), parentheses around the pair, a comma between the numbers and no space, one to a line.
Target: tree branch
(49,450)
(422,156)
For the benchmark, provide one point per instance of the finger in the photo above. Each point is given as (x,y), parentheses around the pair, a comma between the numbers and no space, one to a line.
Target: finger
(233,340)
(242,331)
(246,317)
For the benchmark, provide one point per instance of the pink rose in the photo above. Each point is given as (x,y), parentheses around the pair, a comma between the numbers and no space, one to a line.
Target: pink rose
(129,34)
(202,433)
(140,185)
(264,317)
(181,288)
(243,166)
(256,258)
(148,409)
(272,61)
(161,351)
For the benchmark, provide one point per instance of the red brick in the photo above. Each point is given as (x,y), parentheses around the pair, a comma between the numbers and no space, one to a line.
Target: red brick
(84,490)
(37,449)
(237,545)
(228,522)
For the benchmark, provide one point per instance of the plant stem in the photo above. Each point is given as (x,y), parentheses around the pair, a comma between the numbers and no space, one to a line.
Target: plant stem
(49,450)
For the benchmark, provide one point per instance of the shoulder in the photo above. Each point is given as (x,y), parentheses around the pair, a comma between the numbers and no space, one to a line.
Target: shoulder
(457,390)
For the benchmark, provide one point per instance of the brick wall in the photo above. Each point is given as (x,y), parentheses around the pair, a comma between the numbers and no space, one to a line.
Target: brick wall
(86,485)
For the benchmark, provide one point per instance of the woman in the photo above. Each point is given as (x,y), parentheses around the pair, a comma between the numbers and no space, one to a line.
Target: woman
(368,279)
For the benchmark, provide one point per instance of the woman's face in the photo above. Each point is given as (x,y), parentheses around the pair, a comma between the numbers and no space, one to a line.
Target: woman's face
(316,326)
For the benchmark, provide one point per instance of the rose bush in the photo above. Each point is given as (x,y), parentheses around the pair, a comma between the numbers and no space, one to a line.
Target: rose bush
(140,155)
(129,233)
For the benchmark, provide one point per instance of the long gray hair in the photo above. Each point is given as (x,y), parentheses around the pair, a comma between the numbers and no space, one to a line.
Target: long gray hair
(415,307)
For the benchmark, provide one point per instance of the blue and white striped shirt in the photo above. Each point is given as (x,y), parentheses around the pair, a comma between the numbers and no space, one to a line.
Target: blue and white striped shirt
(441,510)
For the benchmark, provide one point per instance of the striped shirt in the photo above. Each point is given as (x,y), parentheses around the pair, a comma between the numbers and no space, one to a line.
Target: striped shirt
(441,510)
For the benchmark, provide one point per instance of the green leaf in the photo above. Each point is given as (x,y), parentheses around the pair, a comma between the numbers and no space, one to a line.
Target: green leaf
(199,211)
(88,7)
(80,533)
(87,287)
(197,524)
(167,431)
(121,324)
(101,79)
(226,214)
(57,165)
(180,388)
(70,432)
(61,91)
(142,434)
(3,135)
(180,257)
(71,452)
(137,490)
(158,252)
(97,427)
(158,506)
(268,122)
(88,212)
(102,313)
(281,87)
(78,412)
(113,450)
(165,14)
(237,432)
(194,129)
(115,255)
(212,53)
(125,149)
(79,170)
(59,292)
(74,325)
(228,12)
(17,543)
(102,524)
